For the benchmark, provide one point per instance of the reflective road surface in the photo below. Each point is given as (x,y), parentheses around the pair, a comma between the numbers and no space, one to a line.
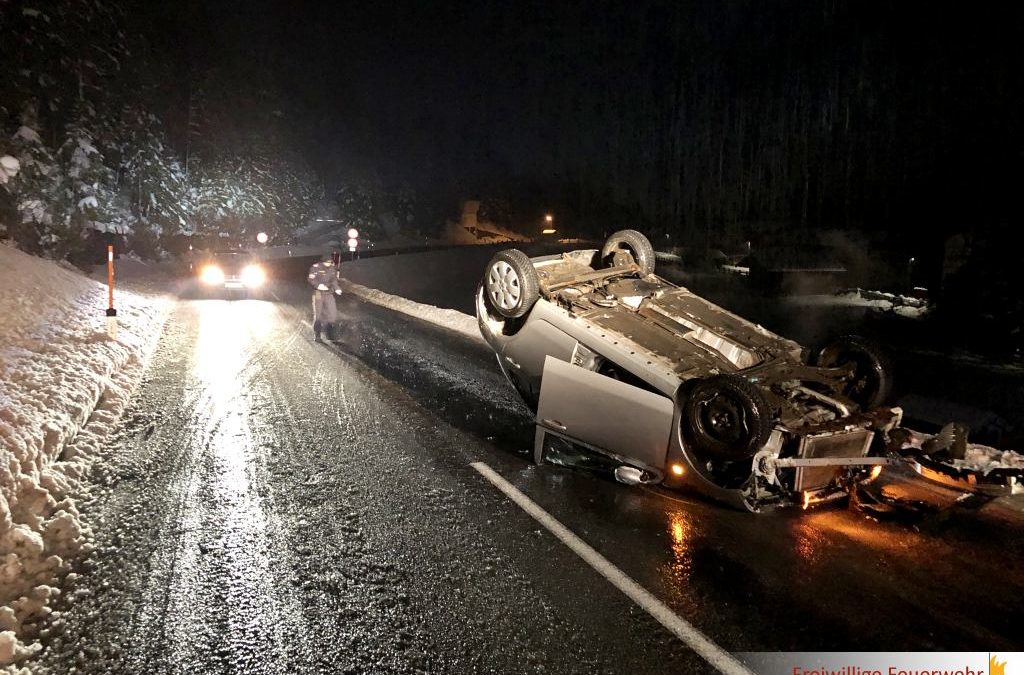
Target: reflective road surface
(273,505)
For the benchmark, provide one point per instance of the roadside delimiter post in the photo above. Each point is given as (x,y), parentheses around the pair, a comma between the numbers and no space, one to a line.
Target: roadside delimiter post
(111,312)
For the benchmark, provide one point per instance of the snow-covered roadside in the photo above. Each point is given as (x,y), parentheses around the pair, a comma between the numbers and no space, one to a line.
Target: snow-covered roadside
(902,305)
(979,457)
(453,320)
(983,459)
(63,385)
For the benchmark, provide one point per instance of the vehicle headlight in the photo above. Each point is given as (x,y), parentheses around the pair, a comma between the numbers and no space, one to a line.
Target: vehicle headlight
(212,275)
(253,276)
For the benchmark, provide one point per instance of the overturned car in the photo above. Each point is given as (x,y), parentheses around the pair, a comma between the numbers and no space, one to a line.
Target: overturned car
(676,390)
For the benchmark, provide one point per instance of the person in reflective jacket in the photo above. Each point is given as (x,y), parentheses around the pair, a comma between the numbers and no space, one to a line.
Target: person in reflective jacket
(323,277)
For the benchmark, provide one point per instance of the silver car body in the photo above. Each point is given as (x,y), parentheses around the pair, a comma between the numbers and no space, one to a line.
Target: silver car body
(657,337)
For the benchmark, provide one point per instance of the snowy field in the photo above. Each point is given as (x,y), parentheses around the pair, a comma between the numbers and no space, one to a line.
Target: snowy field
(63,385)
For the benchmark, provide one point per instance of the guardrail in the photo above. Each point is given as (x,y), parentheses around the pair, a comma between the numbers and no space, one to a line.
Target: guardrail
(295,266)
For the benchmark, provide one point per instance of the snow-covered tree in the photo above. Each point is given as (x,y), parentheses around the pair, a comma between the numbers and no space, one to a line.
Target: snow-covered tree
(91,199)
(151,180)
(94,155)
(37,188)
(67,60)
(243,171)
(358,202)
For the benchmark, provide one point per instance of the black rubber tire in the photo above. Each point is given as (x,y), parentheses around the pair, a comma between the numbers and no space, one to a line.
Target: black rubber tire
(633,242)
(872,382)
(727,417)
(526,284)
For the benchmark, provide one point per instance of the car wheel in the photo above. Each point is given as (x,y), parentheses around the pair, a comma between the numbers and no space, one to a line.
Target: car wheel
(727,417)
(511,284)
(633,243)
(872,376)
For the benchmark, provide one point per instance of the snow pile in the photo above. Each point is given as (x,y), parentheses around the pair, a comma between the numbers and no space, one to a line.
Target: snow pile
(63,385)
(902,305)
(977,457)
(9,167)
(983,459)
(451,319)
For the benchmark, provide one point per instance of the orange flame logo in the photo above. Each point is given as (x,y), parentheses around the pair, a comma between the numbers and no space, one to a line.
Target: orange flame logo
(996,667)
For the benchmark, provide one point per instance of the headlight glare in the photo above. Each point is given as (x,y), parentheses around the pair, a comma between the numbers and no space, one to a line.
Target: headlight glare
(253,276)
(212,275)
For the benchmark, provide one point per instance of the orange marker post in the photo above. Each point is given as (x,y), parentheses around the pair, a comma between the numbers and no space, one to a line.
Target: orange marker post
(111,312)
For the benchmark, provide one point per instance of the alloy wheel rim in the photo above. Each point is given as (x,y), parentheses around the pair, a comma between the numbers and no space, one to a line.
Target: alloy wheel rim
(503,286)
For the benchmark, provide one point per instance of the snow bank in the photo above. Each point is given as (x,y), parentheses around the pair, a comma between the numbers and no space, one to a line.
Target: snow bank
(905,306)
(63,385)
(984,459)
(979,458)
(451,319)
(9,167)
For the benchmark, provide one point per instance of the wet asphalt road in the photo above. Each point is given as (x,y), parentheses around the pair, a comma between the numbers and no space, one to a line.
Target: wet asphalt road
(276,505)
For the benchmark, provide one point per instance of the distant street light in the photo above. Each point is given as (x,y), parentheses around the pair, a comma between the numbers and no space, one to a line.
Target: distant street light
(262,237)
(549,222)
(353,233)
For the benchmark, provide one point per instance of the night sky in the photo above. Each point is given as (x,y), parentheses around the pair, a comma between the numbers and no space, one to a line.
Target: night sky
(873,116)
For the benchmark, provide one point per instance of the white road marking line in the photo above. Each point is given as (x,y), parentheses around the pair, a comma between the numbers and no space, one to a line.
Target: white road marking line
(722,660)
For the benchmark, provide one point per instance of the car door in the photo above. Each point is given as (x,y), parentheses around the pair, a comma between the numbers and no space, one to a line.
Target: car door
(605,413)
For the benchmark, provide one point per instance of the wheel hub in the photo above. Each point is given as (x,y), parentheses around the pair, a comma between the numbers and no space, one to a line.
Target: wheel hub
(503,286)
(723,420)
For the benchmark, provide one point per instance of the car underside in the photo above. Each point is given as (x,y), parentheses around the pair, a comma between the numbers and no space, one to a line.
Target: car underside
(677,390)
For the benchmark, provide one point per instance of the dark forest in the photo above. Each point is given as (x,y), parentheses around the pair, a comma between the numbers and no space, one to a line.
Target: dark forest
(707,123)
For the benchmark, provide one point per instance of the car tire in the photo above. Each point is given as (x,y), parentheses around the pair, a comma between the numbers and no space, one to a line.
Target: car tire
(872,380)
(727,417)
(634,243)
(511,286)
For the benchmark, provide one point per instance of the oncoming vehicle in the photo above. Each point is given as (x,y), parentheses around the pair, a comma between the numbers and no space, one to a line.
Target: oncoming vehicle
(676,390)
(230,272)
